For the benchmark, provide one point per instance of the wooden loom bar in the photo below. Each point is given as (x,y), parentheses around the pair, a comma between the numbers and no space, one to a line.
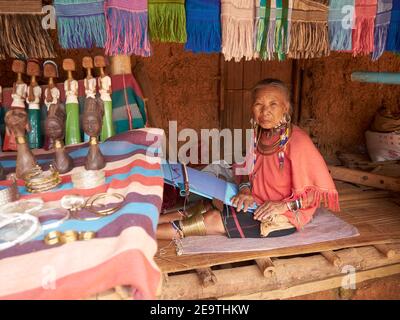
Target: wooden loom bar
(385,250)
(332,257)
(365,178)
(266,267)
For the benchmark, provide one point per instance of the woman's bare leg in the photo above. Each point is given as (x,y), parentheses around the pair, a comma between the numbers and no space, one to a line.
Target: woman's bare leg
(212,220)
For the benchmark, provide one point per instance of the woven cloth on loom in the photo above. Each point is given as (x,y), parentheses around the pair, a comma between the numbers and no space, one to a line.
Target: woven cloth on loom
(127,27)
(237,19)
(382,23)
(21,31)
(393,42)
(309,29)
(123,250)
(167,20)
(203,25)
(325,227)
(364,22)
(80,23)
(341,20)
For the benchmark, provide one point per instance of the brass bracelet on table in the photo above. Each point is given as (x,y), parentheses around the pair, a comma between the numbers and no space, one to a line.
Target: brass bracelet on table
(11,193)
(57,237)
(105,212)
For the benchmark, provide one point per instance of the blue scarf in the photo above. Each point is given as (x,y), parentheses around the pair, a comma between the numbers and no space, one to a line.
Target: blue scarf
(382,22)
(340,25)
(203,25)
(393,42)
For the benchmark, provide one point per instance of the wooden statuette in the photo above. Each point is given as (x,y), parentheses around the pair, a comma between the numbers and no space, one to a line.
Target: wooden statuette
(33,99)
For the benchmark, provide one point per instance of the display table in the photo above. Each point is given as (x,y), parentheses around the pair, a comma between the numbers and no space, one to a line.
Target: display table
(122,252)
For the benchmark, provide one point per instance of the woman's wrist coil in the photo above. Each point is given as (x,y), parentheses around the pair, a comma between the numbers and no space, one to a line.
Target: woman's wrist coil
(244,185)
(294,205)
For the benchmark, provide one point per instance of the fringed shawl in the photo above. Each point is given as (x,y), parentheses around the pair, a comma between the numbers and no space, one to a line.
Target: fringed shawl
(305,175)
(364,22)
(237,18)
(167,20)
(203,25)
(382,23)
(271,31)
(80,23)
(127,28)
(289,25)
(341,20)
(21,32)
(393,42)
(309,29)
(281,28)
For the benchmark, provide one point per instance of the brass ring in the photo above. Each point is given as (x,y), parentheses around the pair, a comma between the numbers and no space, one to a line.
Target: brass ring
(52,238)
(69,236)
(87,235)
(105,212)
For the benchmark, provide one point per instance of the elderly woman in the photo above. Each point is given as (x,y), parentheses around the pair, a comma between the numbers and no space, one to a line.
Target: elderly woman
(284,177)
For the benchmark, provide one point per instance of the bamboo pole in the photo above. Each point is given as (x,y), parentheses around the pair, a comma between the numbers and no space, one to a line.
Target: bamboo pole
(385,250)
(376,77)
(332,257)
(266,267)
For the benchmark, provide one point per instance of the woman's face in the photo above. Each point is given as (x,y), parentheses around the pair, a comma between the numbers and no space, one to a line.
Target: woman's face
(270,105)
(91,125)
(54,129)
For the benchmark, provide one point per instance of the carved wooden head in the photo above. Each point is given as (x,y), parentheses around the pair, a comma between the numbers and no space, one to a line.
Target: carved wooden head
(69,65)
(92,120)
(87,63)
(55,122)
(18,66)
(33,68)
(100,62)
(16,120)
(50,69)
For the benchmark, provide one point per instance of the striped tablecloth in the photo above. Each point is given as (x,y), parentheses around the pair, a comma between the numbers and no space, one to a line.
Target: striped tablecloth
(123,251)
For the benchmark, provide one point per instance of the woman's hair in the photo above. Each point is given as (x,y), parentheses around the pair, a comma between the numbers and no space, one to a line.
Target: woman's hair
(270,82)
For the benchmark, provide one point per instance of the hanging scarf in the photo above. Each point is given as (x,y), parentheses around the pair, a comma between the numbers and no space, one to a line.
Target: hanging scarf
(271,31)
(364,22)
(263,11)
(393,42)
(309,29)
(127,31)
(289,25)
(21,33)
(382,23)
(237,18)
(167,20)
(281,28)
(80,23)
(203,25)
(341,19)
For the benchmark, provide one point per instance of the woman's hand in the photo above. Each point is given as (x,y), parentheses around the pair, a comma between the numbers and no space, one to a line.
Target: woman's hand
(270,208)
(243,198)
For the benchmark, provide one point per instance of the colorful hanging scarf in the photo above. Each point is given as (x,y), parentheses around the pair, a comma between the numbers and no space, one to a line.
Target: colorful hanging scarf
(203,25)
(382,23)
(261,26)
(237,18)
(21,33)
(281,26)
(393,42)
(341,20)
(80,23)
(289,25)
(364,22)
(167,20)
(127,28)
(309,30)
(271,31)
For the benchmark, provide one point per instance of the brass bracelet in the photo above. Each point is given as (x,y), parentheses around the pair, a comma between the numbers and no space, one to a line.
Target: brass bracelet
(20,140)
(87,235)
(58,144)
(9,194)
(93,141)
(69,236)
(105,212)
(52,238)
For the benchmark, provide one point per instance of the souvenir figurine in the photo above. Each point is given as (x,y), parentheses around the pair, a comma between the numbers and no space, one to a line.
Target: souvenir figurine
(18,101)
(89,83)
(55,128)
(92,124)
(17,123)
(72,132)
(104,84)
(33,99)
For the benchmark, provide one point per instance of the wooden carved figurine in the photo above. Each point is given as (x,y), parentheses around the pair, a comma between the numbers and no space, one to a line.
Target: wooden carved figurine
(51,94)
(55,128)
(92,124)
(33,99)
(72,132)
(17,123)
(89,83)
(18,101)
(105,90)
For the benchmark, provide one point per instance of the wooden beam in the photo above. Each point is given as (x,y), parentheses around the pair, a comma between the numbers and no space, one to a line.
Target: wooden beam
(385,250)
(332,257)
(365,178)
(317,286)
(206,276)
(266,267)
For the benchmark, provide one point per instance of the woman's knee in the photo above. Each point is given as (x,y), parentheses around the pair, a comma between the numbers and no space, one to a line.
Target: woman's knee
(213,222)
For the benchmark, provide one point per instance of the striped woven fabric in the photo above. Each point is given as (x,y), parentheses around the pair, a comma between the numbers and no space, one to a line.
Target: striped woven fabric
(123,251)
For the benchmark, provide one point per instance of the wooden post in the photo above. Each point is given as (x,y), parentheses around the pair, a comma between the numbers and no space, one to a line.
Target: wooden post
(266,267)
(387,252)
(206,276)
(332,257)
